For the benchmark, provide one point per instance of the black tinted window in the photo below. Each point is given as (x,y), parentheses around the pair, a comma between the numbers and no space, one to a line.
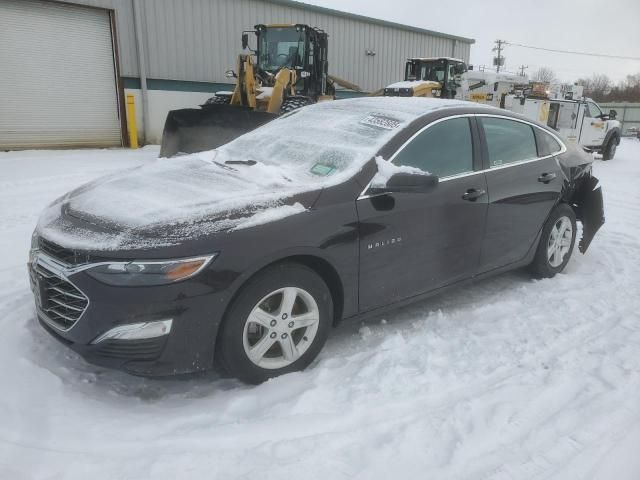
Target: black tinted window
(508,141)
(547,145)
(443,149)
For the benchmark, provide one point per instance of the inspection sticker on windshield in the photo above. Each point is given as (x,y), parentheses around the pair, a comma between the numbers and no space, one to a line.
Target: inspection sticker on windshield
(380,121)
(322,169)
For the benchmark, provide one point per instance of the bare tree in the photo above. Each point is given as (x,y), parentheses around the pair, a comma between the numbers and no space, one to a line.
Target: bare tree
(600,88)
(597,86)
(544,74)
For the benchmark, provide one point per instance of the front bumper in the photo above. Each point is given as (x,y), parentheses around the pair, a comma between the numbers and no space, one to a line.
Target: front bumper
(78,310)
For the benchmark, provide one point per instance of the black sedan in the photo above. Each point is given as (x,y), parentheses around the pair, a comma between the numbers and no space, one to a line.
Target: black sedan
(244,257)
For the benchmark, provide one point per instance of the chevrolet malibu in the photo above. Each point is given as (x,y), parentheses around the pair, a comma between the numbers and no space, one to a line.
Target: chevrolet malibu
(246,256)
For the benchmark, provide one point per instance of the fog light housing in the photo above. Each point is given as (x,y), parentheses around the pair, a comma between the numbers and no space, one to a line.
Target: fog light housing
(136,331)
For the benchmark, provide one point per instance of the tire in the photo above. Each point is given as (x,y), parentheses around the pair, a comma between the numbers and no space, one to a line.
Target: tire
(293,103)
(547,264)
(610,150)
(218,100)
(275,331)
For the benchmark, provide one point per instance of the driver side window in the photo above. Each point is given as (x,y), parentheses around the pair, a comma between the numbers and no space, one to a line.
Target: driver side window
(443,149)
(592,110)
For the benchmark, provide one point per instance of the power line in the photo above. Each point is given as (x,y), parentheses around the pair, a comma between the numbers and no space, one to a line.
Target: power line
(588,54)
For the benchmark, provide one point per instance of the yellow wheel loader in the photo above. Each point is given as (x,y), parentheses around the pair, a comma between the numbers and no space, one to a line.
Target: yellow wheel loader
(429,77)
(289,71)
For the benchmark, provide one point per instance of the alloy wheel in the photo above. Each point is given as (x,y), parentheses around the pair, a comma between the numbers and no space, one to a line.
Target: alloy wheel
(281,327)
(559,242)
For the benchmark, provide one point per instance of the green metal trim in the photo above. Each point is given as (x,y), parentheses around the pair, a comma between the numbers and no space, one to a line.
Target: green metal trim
(186,86)
(177,85)
(363,18)
(350,94)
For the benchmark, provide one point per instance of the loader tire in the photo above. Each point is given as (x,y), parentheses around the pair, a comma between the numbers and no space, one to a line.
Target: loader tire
(293,103)
(218,100)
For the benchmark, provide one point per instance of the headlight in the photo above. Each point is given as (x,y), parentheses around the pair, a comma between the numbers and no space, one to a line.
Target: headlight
(142,273)
(34,246)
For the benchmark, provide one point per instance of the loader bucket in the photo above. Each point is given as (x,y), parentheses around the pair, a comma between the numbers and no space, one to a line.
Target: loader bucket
(192,130)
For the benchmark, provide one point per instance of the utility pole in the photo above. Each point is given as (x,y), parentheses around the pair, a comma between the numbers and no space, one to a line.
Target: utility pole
(499,59)
(522,69)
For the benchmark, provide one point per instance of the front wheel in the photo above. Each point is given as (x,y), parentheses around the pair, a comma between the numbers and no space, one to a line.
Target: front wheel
(610,150)
(278,324)
(556,242)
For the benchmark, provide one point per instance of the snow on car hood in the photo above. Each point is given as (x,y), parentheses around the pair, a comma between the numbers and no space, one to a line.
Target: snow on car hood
(187,195)
(220,190)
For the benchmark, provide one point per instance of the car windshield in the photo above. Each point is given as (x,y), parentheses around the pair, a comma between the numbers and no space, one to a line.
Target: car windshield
(281,47)
(326,142)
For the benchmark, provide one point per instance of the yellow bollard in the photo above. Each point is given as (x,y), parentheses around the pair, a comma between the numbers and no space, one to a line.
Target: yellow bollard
(131,121)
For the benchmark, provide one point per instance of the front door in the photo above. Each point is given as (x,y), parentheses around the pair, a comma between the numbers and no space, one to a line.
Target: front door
(593,128)
(411,243)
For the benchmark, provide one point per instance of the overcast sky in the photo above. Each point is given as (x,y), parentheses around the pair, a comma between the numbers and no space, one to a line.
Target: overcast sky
(610,27)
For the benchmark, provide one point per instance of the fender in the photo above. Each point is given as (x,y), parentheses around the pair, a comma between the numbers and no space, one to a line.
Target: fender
(280,255)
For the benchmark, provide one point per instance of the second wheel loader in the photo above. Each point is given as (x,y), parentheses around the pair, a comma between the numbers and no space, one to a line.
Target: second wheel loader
(290,70)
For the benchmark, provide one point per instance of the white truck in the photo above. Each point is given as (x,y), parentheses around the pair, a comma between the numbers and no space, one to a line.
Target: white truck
(580,120)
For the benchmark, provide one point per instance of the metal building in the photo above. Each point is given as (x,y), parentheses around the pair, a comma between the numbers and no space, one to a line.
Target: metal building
(67,66)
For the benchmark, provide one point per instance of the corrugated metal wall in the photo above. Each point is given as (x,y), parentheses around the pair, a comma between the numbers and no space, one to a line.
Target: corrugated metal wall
(197,40)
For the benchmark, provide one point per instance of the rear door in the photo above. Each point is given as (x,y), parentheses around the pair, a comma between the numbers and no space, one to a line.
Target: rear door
(411,243)
(524,182)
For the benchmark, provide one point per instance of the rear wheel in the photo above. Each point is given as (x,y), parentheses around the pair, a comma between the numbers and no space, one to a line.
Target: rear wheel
(293,103)
(278,324)
(610,149)
(556,242)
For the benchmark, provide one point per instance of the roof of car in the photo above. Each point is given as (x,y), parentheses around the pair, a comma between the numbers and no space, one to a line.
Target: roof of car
(415,107)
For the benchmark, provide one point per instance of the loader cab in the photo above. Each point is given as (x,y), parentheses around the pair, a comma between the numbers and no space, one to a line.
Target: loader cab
(297,47)
(446,71)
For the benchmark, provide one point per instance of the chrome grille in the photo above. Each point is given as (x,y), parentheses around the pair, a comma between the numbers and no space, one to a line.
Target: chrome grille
(64,255)
(61,302)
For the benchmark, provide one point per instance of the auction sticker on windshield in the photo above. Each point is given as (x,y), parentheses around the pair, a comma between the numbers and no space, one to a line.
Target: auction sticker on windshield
(380,121)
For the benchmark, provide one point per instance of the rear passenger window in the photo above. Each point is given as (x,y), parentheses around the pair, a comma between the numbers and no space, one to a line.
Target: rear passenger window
(547,145)
(508,141)
(443,149)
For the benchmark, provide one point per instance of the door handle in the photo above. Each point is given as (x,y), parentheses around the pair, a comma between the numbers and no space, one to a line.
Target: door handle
(546,177)
(473,194)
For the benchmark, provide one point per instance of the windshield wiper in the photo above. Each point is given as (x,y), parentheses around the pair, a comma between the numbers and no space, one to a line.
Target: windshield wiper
(241,162)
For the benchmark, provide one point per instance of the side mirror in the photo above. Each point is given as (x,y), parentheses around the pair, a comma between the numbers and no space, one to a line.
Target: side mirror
(245,41)
(408,183)
(612,114)
(230,74)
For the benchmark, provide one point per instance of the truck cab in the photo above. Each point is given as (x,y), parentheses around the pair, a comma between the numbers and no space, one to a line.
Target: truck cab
(582,122)
(444,70)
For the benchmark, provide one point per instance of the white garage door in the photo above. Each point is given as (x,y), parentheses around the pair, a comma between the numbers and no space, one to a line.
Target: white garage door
(57,76)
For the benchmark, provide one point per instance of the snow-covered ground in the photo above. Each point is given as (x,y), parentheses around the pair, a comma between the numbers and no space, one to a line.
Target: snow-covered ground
(507,379)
